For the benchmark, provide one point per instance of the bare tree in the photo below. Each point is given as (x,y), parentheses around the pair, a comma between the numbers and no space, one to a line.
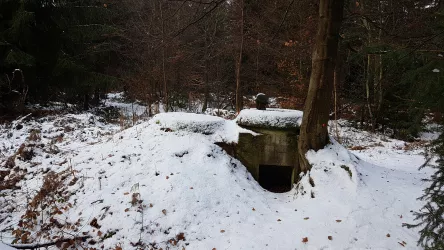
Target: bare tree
(239,95)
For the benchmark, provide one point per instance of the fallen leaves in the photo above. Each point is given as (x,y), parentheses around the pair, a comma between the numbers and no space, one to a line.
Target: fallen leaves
(306,218)
(126,209)
(358,148)
(388,235)
(173,242)
(254,209)
(338,221)
(164,211)
(180,236)
(94,223)
(222,231)
(403,243)
(279,220)
(330,237)
(305,239)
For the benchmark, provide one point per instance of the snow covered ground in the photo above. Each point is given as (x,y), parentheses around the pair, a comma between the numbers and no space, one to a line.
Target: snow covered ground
(165,184)
(117,100)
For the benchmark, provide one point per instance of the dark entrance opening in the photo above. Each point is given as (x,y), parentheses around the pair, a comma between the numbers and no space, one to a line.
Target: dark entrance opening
(276,179)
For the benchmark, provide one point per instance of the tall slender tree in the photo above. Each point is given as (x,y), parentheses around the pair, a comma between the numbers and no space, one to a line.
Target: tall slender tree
(239,95)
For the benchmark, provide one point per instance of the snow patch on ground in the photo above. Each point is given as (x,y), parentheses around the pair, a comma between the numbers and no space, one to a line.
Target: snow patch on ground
(5,247)
(380,149)
(220,129)
(74,129)
(127,108)
(431,132)
(226,114)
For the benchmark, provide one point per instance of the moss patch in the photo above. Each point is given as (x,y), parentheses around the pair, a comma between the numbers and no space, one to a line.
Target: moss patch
(348,170)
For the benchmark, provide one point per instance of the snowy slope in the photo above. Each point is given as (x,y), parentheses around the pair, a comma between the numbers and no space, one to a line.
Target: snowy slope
(179,181)
(5,247)
(56,140)
(381,150)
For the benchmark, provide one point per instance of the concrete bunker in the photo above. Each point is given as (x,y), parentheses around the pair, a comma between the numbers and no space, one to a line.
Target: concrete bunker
(268,146)
(266,143)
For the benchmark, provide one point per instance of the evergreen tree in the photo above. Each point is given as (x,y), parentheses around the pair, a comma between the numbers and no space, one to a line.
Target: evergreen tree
(63,48)
(415,88)
(427,84)
(431,216)
(389,67)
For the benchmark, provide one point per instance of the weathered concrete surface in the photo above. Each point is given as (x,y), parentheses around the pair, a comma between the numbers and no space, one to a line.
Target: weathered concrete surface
(272,147)
(270,118)
(269,139)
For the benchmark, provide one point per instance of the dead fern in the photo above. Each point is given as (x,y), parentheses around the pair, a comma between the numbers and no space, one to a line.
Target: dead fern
(42,216)
(34,135)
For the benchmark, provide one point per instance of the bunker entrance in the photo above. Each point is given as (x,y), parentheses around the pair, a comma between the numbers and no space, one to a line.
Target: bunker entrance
(275,179)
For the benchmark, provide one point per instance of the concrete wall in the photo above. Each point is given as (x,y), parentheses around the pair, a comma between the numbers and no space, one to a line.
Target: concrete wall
(272,147)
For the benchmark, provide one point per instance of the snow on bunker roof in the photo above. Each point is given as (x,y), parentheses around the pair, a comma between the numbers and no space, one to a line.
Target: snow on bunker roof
(270,118)
(195,123)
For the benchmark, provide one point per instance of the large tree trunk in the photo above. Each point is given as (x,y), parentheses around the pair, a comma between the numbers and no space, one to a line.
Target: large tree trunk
(314,133)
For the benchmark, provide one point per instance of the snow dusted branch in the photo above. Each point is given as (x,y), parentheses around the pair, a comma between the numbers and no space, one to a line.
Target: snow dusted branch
(47,244)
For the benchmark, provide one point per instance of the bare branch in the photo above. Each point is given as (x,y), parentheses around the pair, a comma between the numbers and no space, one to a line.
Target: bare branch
(283,19)
(47,244)
(216,4)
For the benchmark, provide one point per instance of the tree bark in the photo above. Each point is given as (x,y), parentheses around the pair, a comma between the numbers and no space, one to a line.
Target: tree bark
(314,133)
(367,91)
(335,91)
(206,87)
(239,96)
(165,87)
